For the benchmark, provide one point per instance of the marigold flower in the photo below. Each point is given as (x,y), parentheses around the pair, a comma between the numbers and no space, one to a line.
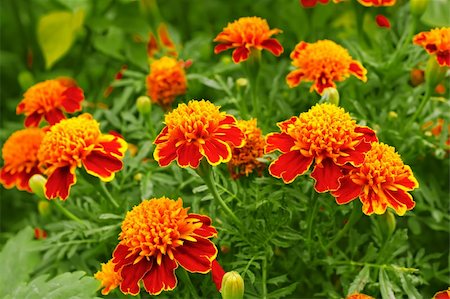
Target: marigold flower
(377,2)
(323,62)
(436,41)
(381,181)
(445,294)
(382,21)
(157,236)
(247,34)
(244,159)
(77,142)
(109,278)
(194,131)
(359,296)
(166,80)
(49,99)
(20,155)
(325,134)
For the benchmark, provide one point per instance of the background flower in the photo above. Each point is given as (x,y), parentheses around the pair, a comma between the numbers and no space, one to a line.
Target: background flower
(109,278)
(377,2)
(436,41)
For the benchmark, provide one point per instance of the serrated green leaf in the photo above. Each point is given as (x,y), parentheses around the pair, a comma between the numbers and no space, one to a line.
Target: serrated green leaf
(408,286)
(283,291)
(385,285)
(360,281)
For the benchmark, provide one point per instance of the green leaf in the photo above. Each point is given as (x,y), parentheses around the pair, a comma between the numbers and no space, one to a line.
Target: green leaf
(56,33)
(408,286)
(282,292)
(385,286)
(437,14)
(67,285)
(18,259)
(360,281)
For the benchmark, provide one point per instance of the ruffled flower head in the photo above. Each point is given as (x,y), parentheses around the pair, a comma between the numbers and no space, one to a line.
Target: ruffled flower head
(247,34)
(359,296)
(20,155)
(381,181)
(157,236)
(48,100)
(109,278)
(377,2)
(245,159)
(167,80)
(436,41)
(324,63)
(325,134)
(77,142)
(194,131)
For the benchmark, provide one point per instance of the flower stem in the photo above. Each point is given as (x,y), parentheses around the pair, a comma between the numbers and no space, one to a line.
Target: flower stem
(419,110)
(264,277)
(315,202)
(108,195)
(354,216)
(252,66)
(187,281)
(67,212)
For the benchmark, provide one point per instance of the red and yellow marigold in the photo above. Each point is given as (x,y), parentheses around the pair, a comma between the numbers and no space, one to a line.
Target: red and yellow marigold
(20,156)
(445,294)
(244,160)
(108,278)
(324,63)
(381,181)
(377,2)
(157,236)
(167,80)
(248,34)
(194,131)
(48,100)
(325,134)
(77,142)
(436,41)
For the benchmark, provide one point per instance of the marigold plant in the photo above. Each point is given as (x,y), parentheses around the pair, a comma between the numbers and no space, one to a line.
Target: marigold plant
(436,41)
(167,80)
(20,156)
(381,181)
(196,130)
(109,278)
(325,134)
(157,236)
(77,142)
(48,100)
(247,34)
(324,63)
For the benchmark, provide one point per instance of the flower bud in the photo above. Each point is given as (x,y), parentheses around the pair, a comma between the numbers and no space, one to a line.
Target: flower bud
(242,82)
(418,7)
(144,105)
(37,183)
(434,73)
(44,208)
(388,223)
(331,95)
(232,286)
(392,114)
(138,177)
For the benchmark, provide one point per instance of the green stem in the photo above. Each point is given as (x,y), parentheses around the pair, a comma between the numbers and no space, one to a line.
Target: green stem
(187,281)
(419,110)
(315,203)
(252,66)
(108,195)
(207,176)
(383,266)
(67,213)
(354,216)
(264,277)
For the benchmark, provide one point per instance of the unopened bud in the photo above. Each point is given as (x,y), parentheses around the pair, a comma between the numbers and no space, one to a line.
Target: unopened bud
(388,223)
(434,73)
(44,207)
(392,114)
(418,7)
(144,105)
(37,183)
(242,82)
(138,177)
(232,286)
(331,95)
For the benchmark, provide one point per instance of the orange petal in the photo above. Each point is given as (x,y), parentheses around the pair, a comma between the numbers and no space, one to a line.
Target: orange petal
(222,47)
(164,36)
(347,191)
(294,78)
(290,165)
(358,70)
(131,275)
(161,277)
(326,175)
(102,165)
(273,46)
(279,141)
(196,256)
(59,183)
(240,54)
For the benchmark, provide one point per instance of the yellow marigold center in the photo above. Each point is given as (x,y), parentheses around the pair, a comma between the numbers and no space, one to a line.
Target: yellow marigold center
(196,120)
(251,30)
(108,277)
(69,141)
(44,96)
(381,165)
(20,150)
(156,226)
(323,131)
(164,63)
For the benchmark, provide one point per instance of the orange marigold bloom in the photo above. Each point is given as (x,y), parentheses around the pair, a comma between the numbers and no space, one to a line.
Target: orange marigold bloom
(247,34)
(77,142)
(445,294)
(48,99)
(194,131)
(377,2)
(323,62)
(359,296)
(381,181)
(325,134)
(244,159)
(167,79)
(109,278)
(157,236)
(436,41)
(20,155)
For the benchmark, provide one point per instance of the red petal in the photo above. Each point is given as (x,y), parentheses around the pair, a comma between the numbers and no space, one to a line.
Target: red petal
(222,47)
(240,54)
(382,21)
(121,257)
(284,125)
(347,191)
(443,57)
(308,3)
(33,119)
(165,153)
(408,182)
(216,151)
(400,201)
(111,144)
(358,71)
(73,96)
(131,275)
(161,277)
(369,134)
(152,45)
(279,141)
(196,256)
(217,274)
(164,37)
(54,116)
(163,136)
(189,155)
(102,165)
(294,78)
(326,175)
(289,166)
(206,230)
(273,46)
(18,179)
(59,183)
(229,134)
(321,83)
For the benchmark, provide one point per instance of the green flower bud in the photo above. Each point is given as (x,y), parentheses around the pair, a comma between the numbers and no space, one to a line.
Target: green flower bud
(331,95)
(232,286)
(37,183)
(44,207)
(242,82)
(418,7)
(144,105)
